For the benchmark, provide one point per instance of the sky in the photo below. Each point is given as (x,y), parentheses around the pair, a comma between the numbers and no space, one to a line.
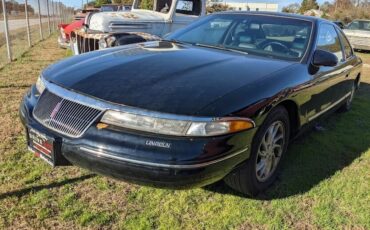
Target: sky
(282,3)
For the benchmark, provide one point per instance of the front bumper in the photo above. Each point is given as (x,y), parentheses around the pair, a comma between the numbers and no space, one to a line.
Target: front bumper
(361,47)
(191,162)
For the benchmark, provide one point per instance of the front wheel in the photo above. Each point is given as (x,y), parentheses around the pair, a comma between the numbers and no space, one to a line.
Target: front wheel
(268,148)
(348,105)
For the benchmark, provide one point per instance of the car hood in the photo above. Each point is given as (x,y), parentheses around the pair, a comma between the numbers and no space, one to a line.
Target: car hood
(73,26)
(108,21)
(161,76)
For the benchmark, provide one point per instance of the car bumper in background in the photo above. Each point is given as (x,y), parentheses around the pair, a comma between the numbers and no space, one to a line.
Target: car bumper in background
(359,43)
(361,47)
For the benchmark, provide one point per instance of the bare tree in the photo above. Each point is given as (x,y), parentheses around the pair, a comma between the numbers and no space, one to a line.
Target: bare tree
(292,8)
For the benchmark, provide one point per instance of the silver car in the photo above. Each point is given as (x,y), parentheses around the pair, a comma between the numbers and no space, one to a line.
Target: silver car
(358,32)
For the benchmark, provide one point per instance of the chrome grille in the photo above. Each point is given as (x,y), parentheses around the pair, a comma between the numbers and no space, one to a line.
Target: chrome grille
(86,44)
(64,116)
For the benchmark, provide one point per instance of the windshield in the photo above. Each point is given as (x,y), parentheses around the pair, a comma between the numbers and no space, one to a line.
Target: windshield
(269,36)
(162,6)
(109,8)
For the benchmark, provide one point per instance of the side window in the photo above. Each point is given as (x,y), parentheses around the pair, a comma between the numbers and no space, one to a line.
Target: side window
(347,47)
(189,7)
(354,25)
(365,25)
(328,40)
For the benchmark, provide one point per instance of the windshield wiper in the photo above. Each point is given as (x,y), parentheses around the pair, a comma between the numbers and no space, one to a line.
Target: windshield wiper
(221,48)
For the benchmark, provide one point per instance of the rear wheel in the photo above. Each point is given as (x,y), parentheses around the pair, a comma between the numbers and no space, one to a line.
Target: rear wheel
(268,148)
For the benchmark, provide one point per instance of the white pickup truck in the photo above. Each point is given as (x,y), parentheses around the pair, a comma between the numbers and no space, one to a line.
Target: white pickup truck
(108,29)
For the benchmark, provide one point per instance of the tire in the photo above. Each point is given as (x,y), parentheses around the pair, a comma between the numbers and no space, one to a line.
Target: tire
(245,178)
(348,104)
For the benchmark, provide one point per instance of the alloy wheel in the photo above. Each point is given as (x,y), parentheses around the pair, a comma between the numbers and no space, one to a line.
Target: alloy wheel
(350,99)
(270,151)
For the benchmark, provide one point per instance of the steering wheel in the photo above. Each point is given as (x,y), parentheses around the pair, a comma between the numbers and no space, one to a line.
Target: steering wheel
(276,47)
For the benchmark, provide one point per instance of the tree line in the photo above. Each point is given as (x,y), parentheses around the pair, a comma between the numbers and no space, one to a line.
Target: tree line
(13,6)
(99,3)
(344,10)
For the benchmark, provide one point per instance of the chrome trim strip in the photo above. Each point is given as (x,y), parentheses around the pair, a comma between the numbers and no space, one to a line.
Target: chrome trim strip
(329,107)
(172,166)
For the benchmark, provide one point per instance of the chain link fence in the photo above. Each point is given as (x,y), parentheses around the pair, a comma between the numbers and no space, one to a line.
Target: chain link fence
(26,22)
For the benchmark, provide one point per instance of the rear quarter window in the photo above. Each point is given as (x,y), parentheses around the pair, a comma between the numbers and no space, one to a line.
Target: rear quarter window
(328,40)
(346,45)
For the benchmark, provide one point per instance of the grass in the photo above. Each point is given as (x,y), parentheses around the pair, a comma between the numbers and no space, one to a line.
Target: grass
(325,183)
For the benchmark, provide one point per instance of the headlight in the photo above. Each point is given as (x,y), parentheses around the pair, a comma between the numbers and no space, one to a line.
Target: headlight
(110,41)
(176,127)
(103,44)
(40,85)
(107,42)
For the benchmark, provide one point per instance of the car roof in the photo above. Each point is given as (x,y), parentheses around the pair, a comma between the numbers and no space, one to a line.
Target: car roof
(278,14)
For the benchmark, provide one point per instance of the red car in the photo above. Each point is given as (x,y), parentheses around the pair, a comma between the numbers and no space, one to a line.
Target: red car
(66,30)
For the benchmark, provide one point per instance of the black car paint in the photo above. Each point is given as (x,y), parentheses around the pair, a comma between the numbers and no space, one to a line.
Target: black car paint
(198,81)
(155,76)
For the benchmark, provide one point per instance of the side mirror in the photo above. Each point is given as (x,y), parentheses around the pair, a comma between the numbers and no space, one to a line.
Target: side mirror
(324,58)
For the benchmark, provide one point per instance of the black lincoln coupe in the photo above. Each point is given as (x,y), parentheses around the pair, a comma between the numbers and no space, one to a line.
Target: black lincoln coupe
(219,99)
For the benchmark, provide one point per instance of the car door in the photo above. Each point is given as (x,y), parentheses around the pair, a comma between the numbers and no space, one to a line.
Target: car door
(328,87)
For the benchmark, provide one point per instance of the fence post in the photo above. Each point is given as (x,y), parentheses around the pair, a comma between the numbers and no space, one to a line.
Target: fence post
(28,23)
(60,12)
(40,22)
(53,13)
(6,25)
(47,7)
